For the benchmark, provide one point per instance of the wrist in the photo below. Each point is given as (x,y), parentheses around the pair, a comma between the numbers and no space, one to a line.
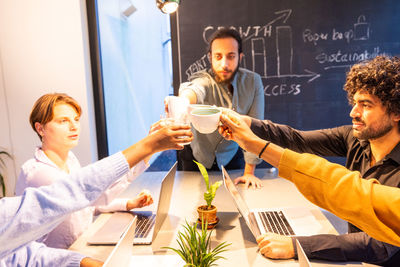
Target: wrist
(249,169)
(150,145)
(263,149)
(254,145)
(129,205)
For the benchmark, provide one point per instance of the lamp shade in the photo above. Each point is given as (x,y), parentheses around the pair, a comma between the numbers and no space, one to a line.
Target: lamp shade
(168,6)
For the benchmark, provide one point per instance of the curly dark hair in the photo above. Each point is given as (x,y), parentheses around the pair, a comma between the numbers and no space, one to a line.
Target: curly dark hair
(380,77)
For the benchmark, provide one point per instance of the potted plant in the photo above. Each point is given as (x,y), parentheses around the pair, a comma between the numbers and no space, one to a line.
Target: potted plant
(195,248)
(2,165)
(208,213)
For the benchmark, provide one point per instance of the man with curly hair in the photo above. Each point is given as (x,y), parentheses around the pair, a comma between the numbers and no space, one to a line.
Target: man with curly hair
(371,146)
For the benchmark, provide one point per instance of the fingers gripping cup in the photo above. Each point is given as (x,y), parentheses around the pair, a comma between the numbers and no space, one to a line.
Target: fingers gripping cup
(205,120)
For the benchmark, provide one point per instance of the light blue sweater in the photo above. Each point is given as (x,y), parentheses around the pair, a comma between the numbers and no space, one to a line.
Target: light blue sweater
(25,218)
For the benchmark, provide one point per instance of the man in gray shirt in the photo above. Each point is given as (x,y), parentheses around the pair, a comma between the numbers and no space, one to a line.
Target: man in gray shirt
(224,85)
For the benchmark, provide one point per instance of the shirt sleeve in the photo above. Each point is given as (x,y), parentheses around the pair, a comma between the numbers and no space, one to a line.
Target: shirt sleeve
(39,210)
(107,201)
(348,247)
(198,86)
(256,111)
(370,206)
(38,254)
(325,142)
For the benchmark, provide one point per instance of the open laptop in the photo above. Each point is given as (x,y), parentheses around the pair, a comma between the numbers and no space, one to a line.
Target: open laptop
(301,256)
(148,224)
(122,252)
(284,221)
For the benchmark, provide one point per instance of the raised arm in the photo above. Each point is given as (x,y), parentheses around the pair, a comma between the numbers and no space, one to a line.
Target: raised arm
(372,207)
(38,210)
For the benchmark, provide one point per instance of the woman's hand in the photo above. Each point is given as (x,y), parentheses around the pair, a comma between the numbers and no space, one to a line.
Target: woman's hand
(167,134)
(143,199)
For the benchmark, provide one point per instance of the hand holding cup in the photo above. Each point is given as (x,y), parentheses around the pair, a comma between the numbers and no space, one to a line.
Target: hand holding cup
(235,128)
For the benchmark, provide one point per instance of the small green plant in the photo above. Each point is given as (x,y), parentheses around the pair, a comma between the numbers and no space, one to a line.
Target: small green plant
(195,248)
(211,190)
(2,164)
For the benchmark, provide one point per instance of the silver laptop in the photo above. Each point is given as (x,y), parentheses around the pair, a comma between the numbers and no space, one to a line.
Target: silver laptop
(122,252)
(302,257)
(148,224)
(285,221)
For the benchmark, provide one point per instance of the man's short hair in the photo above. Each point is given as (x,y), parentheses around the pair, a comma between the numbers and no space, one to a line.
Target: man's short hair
(43,109)
(222,33)
(380,77)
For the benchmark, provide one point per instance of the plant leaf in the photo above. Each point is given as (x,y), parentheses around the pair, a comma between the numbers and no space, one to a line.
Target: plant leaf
(195,246)
(203,172)
(2,164)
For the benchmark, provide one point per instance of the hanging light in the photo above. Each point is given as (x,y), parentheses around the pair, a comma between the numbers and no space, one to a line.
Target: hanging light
(168,6)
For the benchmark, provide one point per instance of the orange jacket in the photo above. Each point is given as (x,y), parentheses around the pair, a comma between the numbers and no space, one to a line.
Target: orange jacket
(372,207)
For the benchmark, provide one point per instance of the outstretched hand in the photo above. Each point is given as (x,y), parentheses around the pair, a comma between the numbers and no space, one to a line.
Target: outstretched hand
(167,134)
(235,128)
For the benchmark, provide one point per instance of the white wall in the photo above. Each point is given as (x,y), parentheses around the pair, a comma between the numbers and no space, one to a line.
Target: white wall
(43,48)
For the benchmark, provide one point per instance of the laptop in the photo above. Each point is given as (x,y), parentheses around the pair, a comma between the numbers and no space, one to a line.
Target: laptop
(148,224)
(286,221)
(122,252)
(301,256)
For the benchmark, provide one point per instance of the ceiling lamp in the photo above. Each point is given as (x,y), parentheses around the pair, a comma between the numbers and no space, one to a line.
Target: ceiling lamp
(168,6)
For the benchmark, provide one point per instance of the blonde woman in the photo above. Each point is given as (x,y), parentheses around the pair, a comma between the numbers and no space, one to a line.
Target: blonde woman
(55,118)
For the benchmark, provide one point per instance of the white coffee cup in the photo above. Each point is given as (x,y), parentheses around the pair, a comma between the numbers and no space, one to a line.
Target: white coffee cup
(194,106)
(205,120)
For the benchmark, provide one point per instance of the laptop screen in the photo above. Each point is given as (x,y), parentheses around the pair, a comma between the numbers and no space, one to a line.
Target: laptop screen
(166,190)
(302,257)
(122,253)
(241,204)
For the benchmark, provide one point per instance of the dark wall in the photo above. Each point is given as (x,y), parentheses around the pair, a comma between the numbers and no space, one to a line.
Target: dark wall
(302,49)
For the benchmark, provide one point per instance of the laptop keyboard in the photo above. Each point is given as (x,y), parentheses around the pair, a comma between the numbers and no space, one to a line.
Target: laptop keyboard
(144,225)
(275,222)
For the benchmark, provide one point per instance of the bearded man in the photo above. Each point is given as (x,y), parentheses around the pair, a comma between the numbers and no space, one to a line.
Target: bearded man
(227,85)
(371,146)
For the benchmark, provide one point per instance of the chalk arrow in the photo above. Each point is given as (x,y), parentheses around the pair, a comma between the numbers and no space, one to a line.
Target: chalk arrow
(285,14)
(312,74)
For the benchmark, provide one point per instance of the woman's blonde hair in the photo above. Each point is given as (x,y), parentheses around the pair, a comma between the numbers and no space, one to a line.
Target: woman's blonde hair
(42,110)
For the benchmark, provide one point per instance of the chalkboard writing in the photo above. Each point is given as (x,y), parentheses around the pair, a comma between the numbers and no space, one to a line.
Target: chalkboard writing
(301,49)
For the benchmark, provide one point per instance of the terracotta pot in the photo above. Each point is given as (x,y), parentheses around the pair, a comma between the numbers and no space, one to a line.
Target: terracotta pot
(208,215)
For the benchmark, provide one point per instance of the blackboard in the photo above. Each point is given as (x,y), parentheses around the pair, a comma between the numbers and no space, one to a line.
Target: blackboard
(302,49)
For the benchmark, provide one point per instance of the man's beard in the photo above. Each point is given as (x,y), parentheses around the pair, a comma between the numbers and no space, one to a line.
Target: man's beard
(370,134)
(222,81)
